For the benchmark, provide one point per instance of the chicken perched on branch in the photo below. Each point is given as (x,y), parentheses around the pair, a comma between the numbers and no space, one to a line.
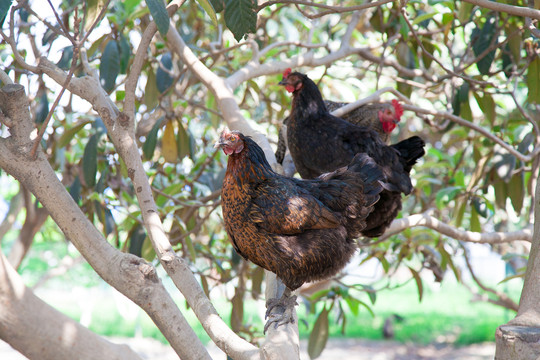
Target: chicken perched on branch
(382,117)
(302,230)
(320,142)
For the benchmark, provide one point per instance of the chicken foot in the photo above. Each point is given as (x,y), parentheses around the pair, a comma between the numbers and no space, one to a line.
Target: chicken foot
(280,311)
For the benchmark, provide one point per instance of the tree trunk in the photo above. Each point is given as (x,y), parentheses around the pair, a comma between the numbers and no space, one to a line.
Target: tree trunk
(519,339)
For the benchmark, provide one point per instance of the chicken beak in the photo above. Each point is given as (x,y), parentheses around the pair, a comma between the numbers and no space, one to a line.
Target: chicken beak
(283,82)
(218,144)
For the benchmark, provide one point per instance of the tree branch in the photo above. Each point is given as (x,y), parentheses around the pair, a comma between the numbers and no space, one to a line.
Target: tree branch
(426,220)
(463,122)
(130,275)
(329,8)
(503,299)
(39,331)
(509,9)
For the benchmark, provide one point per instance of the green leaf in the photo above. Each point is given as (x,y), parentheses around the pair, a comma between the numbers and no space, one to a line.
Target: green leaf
(487,105)
(130,5)
(102,182)
(516,189)
(109,66)
(446,195)
(480,207)
(169,148)
(136,240)
(125,54)
(501,193)
(533,81)
(182,141)
(514,42)
(148,252)
(459,211)
(191,248)
(48,37)
(65,61)
(70,133)
(96,45)
(218,5)
(423,17)
(42,108)
(151,139)
(481,39)
(93,9)
(418,281)
(505,165)
(370,291)
(428,45)
(353,304)
(209,9)
(160,15)
(75,189)
(508,278)
(163,78)
(150,90)
(241,17)
(475,221)
(319,335)
(4,8)
(89,161)
(463,92)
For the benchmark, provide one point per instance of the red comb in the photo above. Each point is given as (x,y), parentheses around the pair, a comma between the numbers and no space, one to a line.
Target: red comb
(398,108)
(286,73)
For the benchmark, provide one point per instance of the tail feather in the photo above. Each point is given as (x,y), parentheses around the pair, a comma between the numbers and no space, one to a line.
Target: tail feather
(410,150)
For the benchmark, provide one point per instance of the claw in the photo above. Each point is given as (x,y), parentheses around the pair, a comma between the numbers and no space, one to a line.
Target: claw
(284,311)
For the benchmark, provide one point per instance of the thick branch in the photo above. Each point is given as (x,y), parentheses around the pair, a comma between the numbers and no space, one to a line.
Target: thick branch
(232,115)
(131,275)
(39,331)
(119,129)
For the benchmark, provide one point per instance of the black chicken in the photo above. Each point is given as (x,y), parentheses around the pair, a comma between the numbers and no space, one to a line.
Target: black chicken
(381,117)
(302,230)
(320,142)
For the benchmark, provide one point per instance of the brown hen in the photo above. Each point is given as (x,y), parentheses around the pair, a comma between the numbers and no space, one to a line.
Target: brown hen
(301,230)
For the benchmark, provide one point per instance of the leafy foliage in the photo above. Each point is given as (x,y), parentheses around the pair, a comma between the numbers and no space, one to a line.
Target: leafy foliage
(241,17)
(159,13)
(465,180)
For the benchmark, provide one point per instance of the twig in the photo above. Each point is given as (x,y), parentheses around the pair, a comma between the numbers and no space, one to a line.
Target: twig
(138,62)
(43,128)
(461,121)
(430,55)
(77,45)
(61,23)
(329,8)
(509,9)
(503,298)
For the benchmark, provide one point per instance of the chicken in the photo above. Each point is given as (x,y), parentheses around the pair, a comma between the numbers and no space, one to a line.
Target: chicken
(320,142)
(382,118)
(301,230)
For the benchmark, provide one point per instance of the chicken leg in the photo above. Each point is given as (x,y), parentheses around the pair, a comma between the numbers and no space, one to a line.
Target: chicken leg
(280,311)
